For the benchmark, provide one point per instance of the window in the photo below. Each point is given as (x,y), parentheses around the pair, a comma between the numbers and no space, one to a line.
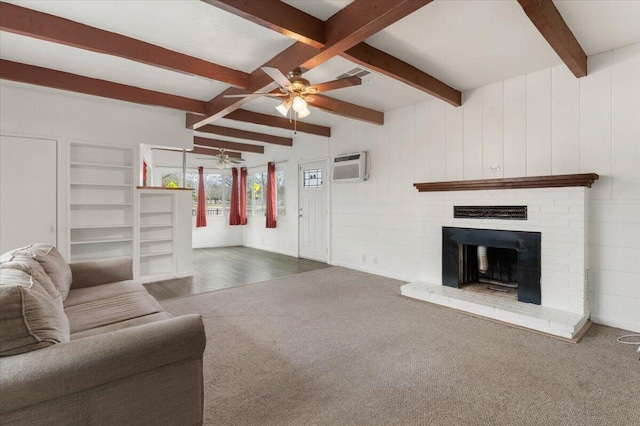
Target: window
(250,192)
(312,178)
(215,188)
(218,192)
(280,192)
(257,194)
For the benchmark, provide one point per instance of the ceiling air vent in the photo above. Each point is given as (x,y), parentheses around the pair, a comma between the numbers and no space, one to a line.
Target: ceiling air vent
(490,212)
(358,72)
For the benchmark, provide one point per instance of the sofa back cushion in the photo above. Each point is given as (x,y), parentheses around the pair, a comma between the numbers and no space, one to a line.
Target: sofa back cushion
(29,317)
(53,264)
(32,267)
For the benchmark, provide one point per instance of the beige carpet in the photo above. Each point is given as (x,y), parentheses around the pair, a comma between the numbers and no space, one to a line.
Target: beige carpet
(342,347)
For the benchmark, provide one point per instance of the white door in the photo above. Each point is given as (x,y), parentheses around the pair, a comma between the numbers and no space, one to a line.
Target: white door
(27,192)
(313,214)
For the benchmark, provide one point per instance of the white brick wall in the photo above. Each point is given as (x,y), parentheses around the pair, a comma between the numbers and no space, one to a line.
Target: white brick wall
(557,213)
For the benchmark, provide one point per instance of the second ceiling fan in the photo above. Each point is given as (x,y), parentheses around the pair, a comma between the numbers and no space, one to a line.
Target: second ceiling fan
(297,91)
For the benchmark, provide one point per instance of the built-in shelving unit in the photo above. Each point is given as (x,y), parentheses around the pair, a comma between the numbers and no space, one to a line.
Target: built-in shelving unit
(101,201)
(157,231)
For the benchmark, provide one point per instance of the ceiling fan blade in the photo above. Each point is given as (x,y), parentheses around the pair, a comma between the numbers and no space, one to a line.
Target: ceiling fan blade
(277,76)
(236,160)
(335,84)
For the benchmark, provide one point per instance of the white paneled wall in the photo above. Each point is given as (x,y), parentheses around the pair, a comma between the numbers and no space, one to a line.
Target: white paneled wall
(542,123)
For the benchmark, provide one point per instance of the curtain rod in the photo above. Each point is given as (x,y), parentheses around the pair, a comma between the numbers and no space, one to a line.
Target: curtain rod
(264,165)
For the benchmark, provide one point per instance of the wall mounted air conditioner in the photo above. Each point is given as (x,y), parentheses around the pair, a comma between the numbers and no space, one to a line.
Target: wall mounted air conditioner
(350,167)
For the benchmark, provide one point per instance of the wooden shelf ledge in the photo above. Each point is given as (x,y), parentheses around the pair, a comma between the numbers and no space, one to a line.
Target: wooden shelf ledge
(162,188)
(584,179)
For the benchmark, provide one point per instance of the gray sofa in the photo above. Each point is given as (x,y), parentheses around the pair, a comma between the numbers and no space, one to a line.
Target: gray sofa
(83,344)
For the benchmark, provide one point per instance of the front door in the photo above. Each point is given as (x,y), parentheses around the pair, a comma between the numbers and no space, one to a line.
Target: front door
(313,214)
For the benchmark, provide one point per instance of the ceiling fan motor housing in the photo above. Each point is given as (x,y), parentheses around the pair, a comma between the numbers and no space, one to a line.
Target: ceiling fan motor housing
(298,83)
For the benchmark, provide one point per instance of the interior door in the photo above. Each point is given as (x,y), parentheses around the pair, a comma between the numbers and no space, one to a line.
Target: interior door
(313,215)
(28,196)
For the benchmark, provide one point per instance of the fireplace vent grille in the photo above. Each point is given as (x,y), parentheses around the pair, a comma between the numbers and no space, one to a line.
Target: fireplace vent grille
(490,212)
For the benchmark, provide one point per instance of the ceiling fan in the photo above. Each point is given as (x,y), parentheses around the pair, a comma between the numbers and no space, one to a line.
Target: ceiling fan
(297,91)
(223,160)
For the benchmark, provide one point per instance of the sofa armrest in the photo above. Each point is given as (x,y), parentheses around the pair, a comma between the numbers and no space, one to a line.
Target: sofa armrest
(66,368)
(97,272)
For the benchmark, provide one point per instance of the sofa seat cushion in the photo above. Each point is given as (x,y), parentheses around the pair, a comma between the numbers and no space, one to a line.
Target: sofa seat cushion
(134,322)
(110,310)
(29,317)
(99,292)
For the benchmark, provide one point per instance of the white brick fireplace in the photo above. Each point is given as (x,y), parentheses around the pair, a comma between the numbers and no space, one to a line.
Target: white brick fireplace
(558,214)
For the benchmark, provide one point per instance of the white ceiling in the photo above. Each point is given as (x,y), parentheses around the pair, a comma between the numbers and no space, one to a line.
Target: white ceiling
(465,43)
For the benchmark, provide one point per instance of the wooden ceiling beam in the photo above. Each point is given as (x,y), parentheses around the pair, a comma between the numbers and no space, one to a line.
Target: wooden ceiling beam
(383,63)
(240,134)
(215,143)
(547,19)
(277,16)
(279,122)
(357,22)
(345,29)
(270,13)
(92,86)
(202,151)
(213,152)
(346,109)
(31,23)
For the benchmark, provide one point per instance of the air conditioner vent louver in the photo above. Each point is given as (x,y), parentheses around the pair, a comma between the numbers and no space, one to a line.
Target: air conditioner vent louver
(490,212)
(358,72)
(350,167)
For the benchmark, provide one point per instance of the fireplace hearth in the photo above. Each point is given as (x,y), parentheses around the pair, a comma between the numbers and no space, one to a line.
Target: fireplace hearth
(496,257)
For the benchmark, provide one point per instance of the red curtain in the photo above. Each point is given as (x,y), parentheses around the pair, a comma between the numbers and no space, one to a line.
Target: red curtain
(234,211)
(271,195)
(243,196)
(201,217)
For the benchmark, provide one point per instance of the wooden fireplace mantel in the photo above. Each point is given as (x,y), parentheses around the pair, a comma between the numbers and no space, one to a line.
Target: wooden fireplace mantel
(584,179)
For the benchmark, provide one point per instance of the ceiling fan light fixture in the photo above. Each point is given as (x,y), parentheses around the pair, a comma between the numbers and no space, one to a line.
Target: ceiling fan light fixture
(299,104)
(283,108)
(304,113)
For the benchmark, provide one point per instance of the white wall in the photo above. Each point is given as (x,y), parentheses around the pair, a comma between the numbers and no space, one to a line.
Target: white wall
(284,238)
(39,111)
(542,123)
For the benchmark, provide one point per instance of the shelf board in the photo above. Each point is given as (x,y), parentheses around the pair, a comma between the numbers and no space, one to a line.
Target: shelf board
(554,181)
(156,240)
(101,226)
(156,226)
(92,258)
(164,253)
(162,188)
(103,240)
(100,146)
(105,166)
(108,185)
(100,204)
